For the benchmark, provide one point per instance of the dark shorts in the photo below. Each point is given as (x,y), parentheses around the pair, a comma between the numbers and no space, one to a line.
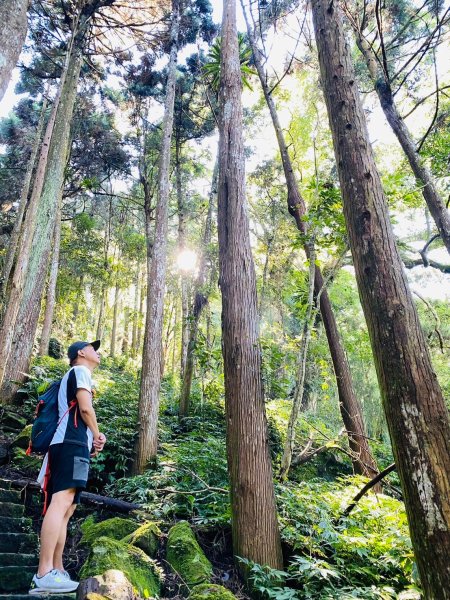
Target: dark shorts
(69,468)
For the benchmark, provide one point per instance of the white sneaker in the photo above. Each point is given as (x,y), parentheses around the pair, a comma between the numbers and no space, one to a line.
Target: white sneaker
(52,582)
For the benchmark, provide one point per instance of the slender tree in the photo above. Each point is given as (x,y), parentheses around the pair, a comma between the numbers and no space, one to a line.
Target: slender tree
(254,517)
(13,30)
(51,287)
(349,405)
(147,441)
(413,402)
(200,299)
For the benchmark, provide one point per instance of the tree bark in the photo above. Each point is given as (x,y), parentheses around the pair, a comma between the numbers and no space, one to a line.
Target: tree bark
(147,442)
(30,274)
(13,31)
(134,334)
(181,248)
(51,287)
(254,518)
(435,203)
(112,350)
(18,280)
(126,326)
(15,235)
(300,385)
(413,402)
(349,405)
(200,300)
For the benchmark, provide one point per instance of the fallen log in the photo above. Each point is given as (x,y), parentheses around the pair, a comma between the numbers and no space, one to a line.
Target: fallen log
(86,497)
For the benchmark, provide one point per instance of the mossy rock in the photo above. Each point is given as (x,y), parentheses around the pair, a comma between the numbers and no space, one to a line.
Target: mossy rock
(22,462)
(211,591)
(141,571)
(185,555)
(116,528)
(12,420)
(23,439)
(146,537)
(95,596)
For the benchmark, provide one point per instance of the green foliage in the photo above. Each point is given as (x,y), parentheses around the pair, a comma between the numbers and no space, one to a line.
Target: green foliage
(370,547)
(212,67)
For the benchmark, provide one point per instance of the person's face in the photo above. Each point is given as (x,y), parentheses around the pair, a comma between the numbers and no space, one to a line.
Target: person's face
(90,354)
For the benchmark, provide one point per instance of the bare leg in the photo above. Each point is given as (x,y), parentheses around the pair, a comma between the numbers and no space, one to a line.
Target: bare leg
(58,553)
(51,528)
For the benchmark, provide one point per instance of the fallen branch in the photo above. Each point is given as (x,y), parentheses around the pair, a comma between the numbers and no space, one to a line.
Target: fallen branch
(365,489)
(86,497)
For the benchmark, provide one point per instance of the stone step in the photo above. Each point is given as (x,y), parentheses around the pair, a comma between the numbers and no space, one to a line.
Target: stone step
(10,509)
(10,496)
(5,485)
(10,559)
(15,579)
(12,525)
(18,542)
(26,596)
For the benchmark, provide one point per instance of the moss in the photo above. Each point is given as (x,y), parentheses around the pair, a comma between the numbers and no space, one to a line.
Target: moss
(139,569)
(23,438)
(116,529)
(146,537)
(211,591)
(95,596)
(186,557)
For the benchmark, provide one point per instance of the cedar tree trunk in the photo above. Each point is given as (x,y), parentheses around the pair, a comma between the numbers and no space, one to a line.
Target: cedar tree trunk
(413,402)
(147,442)
(254,518)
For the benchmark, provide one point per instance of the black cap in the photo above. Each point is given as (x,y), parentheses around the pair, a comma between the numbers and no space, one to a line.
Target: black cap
(72,352)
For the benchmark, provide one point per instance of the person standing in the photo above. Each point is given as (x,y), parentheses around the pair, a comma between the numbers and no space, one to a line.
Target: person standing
(65,468)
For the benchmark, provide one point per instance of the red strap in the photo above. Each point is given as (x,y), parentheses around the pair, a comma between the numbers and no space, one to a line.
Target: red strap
(45,486)
(28,452)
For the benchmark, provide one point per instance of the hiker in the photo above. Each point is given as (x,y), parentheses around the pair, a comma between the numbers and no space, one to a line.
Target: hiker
(65,467)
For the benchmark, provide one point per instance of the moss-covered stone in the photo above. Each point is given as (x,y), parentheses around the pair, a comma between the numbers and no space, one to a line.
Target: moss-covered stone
(116,529)
(185,555)
(211,591)
(22,462)
(146,537)
(23,438)
(95,596)
(142,572)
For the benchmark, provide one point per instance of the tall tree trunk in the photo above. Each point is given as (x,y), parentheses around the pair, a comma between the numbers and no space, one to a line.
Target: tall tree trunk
(134,333)
(142,300)
(413,402)
(30,272)
(147,442)
(254,518)
(101,313)
(23,254)
(126,326)
(181,248)
(435,203)
(51,287)
(349,405)
(300,384)
(15,235)
(112,350)
(13,31)
(200,299)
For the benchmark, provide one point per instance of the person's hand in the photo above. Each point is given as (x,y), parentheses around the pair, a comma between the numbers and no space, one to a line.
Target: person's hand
(99,442)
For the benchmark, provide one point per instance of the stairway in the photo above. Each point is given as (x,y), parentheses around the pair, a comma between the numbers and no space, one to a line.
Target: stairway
(18,548)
